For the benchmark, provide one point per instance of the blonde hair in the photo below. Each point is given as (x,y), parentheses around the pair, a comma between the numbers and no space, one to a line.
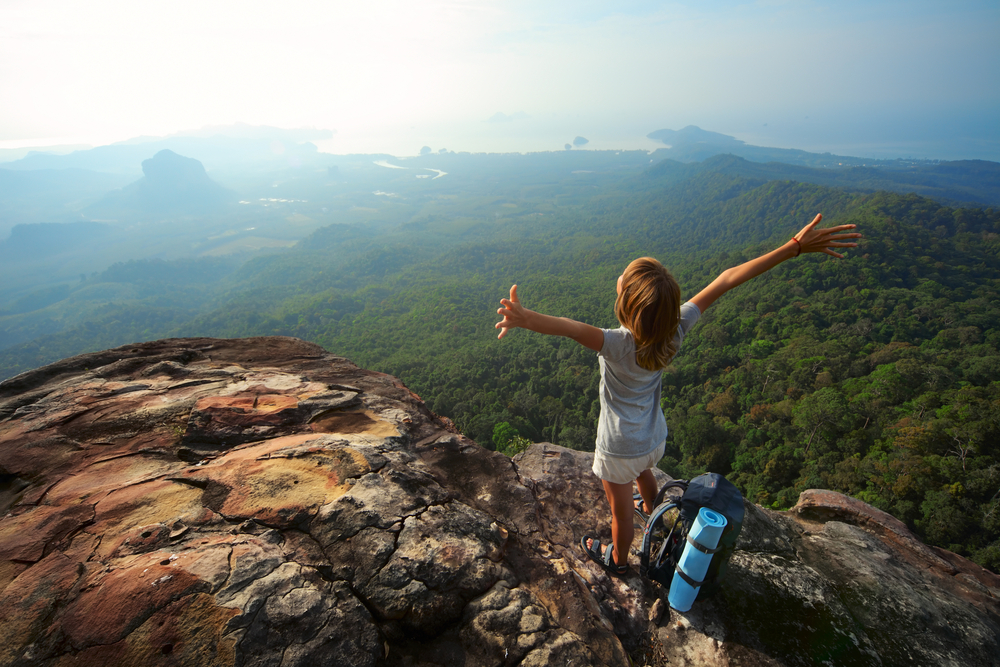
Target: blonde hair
(649,306)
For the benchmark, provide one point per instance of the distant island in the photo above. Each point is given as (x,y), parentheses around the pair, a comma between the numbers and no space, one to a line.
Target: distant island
(693,144)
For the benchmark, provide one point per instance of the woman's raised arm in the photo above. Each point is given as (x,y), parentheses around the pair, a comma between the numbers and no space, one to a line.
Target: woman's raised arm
(517,316)
(809,239)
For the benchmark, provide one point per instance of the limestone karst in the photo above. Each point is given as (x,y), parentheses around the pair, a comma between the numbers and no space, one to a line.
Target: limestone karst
(171,184)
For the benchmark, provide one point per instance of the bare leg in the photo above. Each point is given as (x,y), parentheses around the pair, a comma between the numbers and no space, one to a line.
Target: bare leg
(647,489)
(622,529)
(620,499)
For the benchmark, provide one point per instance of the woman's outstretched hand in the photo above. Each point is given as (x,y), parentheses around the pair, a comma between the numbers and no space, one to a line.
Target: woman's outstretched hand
(823,240)
(513,313)
(517,316)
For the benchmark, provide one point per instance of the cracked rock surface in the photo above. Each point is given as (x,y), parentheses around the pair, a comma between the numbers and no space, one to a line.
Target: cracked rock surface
(263,502)
(833,581)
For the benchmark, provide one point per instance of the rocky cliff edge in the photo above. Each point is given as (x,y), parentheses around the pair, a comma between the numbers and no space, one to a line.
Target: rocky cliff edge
(263,502)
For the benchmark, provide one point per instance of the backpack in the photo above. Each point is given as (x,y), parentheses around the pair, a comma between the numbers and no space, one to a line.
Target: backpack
(665,535)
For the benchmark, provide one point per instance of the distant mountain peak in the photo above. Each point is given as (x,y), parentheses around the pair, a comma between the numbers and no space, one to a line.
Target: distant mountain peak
(693,144)
(172,184)
(169,167)
(692,134)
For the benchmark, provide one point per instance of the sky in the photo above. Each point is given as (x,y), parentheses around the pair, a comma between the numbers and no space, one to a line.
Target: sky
(914,78)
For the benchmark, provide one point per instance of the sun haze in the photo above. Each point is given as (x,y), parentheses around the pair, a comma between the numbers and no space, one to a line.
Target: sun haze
(480,76)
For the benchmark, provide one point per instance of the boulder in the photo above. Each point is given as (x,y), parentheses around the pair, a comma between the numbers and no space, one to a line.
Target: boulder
(263,502)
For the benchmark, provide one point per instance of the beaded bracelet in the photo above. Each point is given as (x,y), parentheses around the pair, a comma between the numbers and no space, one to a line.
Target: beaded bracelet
(798,244)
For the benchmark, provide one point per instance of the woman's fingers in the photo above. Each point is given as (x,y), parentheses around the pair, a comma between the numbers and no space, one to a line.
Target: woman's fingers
(842,230)
(502,326)
(506,310)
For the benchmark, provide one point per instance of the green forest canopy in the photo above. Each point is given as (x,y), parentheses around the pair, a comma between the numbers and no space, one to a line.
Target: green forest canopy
(876,375)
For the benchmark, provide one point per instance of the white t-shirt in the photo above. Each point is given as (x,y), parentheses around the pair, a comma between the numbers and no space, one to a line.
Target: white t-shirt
(631,422)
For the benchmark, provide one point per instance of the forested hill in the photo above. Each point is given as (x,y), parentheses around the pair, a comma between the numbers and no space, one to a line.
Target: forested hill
(975,182)
(876,375)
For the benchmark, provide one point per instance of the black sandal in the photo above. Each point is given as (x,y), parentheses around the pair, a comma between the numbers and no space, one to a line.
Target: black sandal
(605,559)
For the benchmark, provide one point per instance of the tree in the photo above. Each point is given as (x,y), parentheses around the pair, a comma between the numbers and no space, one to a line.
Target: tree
(508,441)
(503,434)
(825,409)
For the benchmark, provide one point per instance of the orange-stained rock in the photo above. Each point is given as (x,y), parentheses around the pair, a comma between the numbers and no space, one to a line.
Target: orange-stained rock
(114,601)
(142,504)
(186,633)
(353,422)
(236,502)
(28,603)
(9,570)
(34,531)
(103,476)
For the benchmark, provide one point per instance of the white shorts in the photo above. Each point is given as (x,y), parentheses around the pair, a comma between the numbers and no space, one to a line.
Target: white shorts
(625,471)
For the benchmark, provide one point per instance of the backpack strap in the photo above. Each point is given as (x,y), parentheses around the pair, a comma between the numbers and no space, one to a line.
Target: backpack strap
(700,547)
(691,582)
(681,484)
(647,536)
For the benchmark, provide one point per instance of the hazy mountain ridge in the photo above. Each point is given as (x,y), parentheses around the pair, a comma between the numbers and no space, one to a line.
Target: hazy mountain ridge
(50,195)
(692,134)
(27,183)
(218,152)
(963,182)
(45,240)
(693,144)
